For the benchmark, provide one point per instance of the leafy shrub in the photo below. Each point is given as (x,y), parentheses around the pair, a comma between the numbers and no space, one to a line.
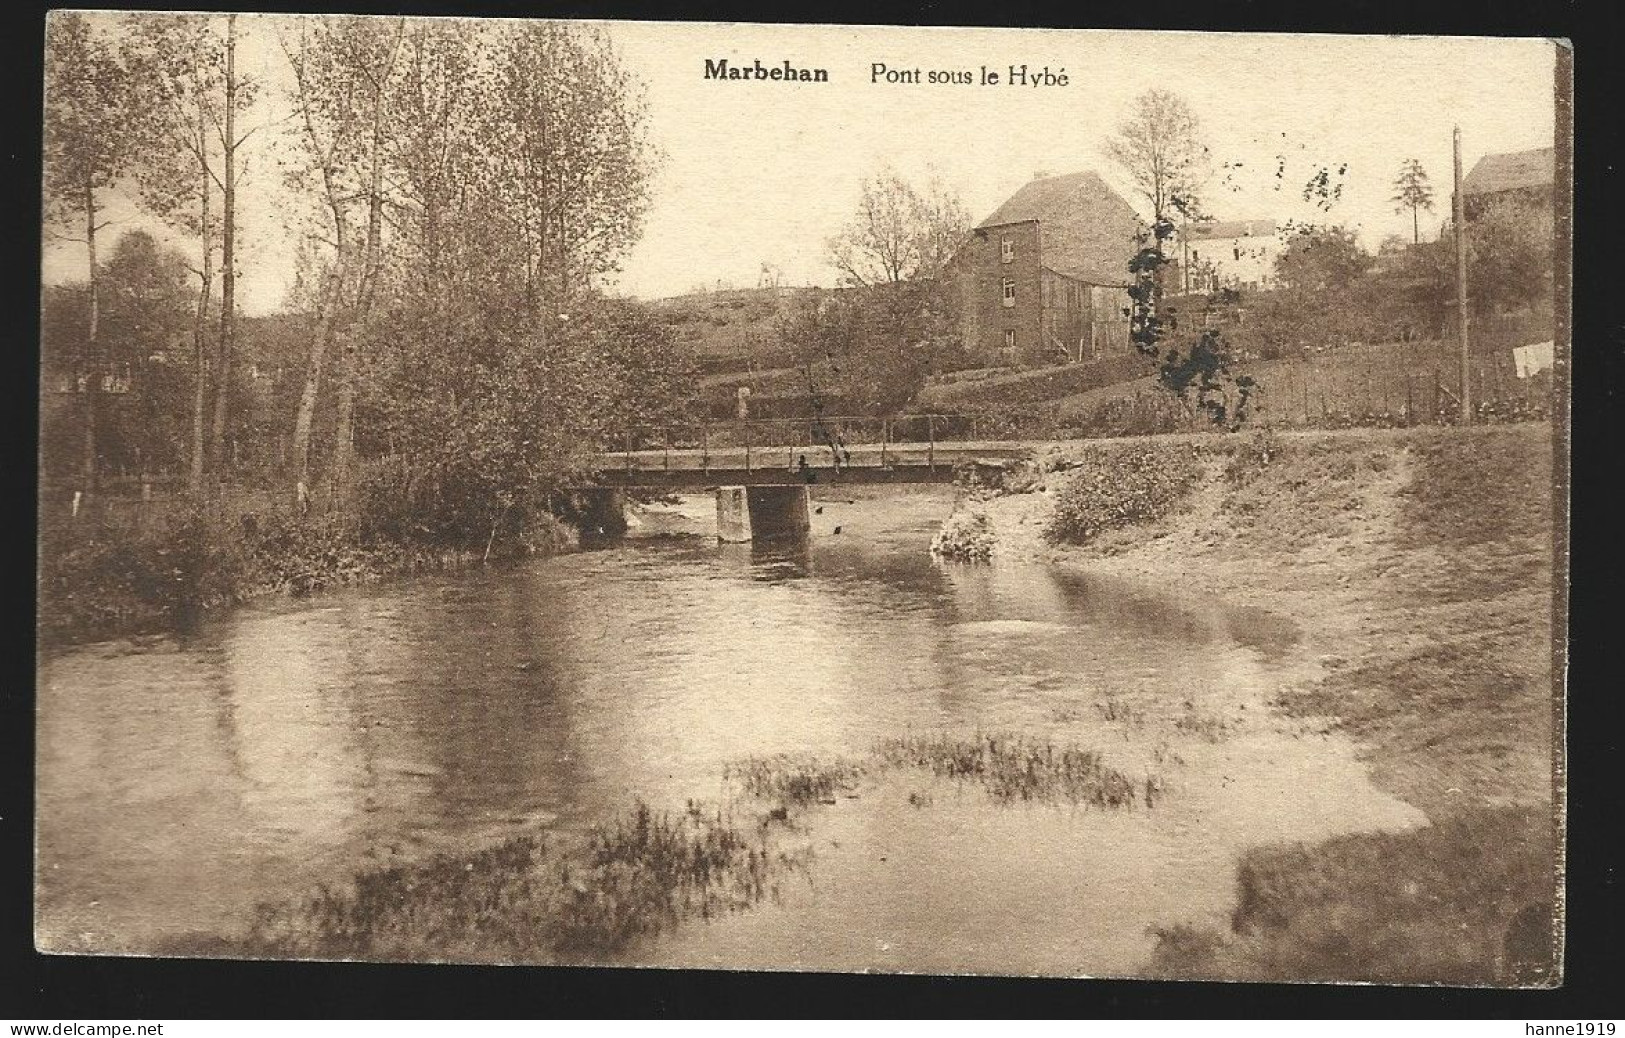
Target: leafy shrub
(965,535)
(101,578)
(1253,457)
(1119,488)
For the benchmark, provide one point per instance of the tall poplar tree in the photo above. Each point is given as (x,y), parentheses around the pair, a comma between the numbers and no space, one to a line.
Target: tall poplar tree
(88,149)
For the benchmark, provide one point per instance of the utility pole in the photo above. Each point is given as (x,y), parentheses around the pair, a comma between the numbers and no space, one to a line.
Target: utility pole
(1461,289)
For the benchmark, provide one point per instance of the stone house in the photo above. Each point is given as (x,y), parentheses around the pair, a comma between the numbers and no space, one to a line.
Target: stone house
(1044,278)
(1523,177)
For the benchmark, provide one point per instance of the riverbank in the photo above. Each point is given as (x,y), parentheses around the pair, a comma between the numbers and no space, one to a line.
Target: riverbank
(100,579)
(1418,564)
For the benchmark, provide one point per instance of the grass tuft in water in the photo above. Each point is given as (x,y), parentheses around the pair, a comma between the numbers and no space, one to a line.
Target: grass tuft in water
(794,780)
(649,871)
(1117,710)
(519,902)
(1013,768)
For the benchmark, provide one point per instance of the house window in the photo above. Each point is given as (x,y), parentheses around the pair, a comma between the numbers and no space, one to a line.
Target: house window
(1009,341)
(1007,251)
(1009,285)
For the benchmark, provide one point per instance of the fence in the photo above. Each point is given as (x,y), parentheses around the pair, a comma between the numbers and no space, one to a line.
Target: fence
(148,503)
(1498,333)
(1375,387)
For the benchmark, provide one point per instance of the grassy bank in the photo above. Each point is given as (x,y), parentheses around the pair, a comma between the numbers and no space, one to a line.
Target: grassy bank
(1418,562)
(103,576)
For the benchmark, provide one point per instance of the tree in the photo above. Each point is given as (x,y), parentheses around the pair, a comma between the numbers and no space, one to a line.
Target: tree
(567,128)
(869,350)
(944,224)
(471,190)
(178,70)
(1321,259)
(88,148)
(1159,148)
(343,69)
(143,316)
(1509,256)
(1322,272)
(898,233)
(1412,191)
(1509,262)
(239,93)
(146,315)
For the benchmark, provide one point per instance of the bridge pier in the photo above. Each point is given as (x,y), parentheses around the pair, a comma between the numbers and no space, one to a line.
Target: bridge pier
(755,513)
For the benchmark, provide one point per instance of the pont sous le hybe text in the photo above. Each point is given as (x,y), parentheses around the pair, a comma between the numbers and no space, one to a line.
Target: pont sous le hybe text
(884,74)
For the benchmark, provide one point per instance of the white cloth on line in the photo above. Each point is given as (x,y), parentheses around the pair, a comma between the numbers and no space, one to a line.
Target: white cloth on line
(1531,360)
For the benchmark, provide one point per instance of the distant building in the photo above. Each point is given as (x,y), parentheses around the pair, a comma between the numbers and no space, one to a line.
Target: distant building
(1045,276)
(1517,187)
(1519,176)
(1228,254)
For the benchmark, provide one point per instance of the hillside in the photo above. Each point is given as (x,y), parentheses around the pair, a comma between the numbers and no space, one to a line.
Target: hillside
(732,330)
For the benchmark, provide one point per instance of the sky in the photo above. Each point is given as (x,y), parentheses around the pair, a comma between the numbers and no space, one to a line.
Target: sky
(765,172)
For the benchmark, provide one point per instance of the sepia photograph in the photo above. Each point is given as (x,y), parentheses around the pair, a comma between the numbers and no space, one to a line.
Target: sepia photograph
(847,499)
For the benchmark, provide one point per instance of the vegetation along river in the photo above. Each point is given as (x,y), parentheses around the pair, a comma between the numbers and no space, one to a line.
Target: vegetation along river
(290,744)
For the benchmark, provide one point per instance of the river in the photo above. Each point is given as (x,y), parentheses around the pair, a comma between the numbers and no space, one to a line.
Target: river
(292,742)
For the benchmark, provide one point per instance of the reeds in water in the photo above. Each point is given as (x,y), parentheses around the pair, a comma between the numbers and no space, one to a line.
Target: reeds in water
(796,781)
(1014,768)
(519,901)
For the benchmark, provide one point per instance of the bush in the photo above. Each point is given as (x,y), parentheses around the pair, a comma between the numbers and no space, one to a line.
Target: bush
(1120,488)
(965,535)
(97,579)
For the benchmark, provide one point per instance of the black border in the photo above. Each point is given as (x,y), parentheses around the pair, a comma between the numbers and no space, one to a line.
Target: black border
(47,988)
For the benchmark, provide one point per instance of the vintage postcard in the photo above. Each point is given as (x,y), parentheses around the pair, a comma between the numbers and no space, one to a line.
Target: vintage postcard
(804,497)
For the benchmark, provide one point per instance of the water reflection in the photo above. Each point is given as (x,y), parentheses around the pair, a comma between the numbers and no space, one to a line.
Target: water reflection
(292,743)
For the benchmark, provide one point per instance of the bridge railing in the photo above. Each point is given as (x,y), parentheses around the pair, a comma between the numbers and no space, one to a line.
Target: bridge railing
(827,436)
(793,432)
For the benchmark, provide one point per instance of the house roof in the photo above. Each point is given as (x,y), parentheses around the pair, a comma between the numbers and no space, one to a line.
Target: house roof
(1087,230)
(1226,229)
(1510,171)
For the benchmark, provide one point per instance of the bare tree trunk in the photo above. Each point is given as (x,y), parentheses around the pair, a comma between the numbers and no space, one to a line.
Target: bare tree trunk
(328,309)
(93,358)
(228,248)
(343,463)
(307,396)
(200,335)
(344,425)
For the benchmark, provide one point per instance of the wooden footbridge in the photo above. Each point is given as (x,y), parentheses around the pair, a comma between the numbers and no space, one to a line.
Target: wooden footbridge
(762,452)
(762,470)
